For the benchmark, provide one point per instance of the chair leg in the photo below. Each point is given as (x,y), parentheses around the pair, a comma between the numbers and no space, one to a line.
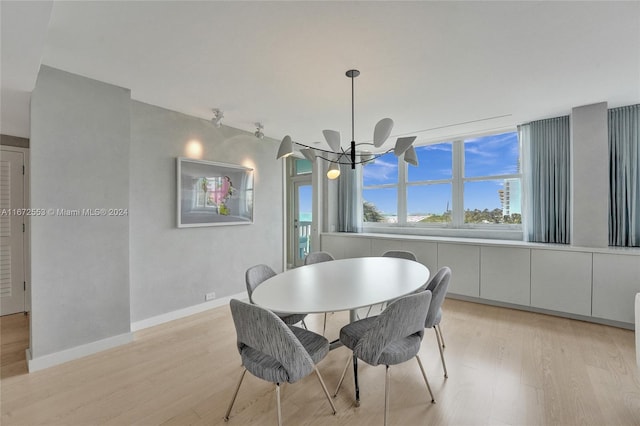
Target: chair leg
(344,373)
(425,379)
(355,379)
(441,335)
(235,394)
(386,394)
(368,311)
(278,404)
(326,392)
(324,327)
(304,324)
(440,346)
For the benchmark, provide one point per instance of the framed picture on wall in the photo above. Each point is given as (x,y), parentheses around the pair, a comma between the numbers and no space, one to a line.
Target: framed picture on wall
(212,194)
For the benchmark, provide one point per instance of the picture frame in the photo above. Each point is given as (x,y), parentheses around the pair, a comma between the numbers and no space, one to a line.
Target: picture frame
(213,194)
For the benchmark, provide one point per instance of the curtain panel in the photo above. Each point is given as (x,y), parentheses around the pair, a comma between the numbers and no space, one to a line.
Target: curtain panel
(349,207)
(546,148)
(624,176)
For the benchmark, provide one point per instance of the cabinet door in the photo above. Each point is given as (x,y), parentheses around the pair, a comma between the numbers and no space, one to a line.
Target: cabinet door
(346,247)
(505,274)
(561,281)
(333,244)
(381,245)
(616,280)
(426,252)
(464,261)
(357,247)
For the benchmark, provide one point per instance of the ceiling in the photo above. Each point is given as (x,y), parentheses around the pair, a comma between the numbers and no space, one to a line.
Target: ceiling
(439,69)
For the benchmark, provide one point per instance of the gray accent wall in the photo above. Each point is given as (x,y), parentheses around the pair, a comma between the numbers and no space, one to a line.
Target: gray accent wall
(174,268)
(92,147)
(80,131)
(589,176)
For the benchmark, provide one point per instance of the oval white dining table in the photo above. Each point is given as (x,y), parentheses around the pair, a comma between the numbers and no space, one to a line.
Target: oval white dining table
(340,285)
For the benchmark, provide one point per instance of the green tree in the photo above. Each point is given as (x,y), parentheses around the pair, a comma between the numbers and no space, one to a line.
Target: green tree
(371,213)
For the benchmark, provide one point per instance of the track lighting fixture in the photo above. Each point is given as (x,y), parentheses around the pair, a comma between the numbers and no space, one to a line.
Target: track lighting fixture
(258,133)
(218,115)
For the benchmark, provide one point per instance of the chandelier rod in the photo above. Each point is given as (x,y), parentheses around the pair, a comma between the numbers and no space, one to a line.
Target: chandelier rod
(353,76)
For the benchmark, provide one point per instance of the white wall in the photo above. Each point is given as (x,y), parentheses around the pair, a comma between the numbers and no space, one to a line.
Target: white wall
(173,268)
(79,160)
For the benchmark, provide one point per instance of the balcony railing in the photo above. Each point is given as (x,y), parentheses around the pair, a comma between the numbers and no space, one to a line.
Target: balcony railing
(304,239)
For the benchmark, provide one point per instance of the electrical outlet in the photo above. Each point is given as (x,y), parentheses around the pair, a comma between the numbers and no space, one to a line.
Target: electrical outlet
(210,296)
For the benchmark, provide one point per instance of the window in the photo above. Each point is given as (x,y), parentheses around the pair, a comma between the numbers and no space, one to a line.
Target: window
(380,190)
(492,180)
(430,185)
(466,183)
(301,167)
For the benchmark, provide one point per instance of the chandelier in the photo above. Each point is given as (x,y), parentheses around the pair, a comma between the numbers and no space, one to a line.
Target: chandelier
(352,155)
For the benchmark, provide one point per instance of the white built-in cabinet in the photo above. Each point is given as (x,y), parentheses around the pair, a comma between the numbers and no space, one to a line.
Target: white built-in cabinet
(465,261)
(561,281)
(596,284)
(616,278)
(505,274)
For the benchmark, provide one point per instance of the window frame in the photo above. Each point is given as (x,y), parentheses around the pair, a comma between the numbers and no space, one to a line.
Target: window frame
(457,181)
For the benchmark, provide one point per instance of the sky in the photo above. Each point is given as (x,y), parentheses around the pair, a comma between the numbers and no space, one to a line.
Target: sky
(484,156)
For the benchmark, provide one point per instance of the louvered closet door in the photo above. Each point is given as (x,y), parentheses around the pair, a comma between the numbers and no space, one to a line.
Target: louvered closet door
(12,271)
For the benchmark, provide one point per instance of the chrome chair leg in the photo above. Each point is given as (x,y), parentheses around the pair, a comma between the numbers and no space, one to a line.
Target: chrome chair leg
(386,394)
(425,379)
(235,394)
(441,335)
(368,311)
(278,403)
(324,327)
(440,346)
(344,373)
(326,392)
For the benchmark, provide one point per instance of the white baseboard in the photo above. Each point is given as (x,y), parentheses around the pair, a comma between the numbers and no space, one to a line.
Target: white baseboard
(49,360)
(185,312)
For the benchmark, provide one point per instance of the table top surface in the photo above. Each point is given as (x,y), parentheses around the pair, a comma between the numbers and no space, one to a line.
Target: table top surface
(340,285)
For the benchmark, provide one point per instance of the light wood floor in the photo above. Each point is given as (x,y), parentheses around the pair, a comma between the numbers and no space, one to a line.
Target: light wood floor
(506,367)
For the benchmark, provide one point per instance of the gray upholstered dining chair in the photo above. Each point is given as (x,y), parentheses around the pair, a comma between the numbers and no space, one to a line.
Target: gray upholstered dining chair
(318,257)
(255,276)
(401,254)
(274,351)
(391,338)
(438,285)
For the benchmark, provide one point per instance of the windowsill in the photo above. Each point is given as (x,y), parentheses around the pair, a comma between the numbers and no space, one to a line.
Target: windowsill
(482,241)
(482,233)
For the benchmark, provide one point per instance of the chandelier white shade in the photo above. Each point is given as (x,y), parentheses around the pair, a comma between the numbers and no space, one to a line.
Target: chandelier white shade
(286,148)
(351,156)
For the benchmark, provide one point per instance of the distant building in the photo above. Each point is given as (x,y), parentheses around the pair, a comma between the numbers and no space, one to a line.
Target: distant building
(510,197)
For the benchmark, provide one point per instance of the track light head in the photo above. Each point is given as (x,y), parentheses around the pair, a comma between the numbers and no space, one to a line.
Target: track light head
(218,115)
(258,133)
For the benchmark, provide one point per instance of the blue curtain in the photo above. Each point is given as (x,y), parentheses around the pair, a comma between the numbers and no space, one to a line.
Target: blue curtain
(624,176)
(349,208)
(546,145)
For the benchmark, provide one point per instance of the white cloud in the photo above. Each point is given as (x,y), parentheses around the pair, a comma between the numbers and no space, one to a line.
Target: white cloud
(381,171)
